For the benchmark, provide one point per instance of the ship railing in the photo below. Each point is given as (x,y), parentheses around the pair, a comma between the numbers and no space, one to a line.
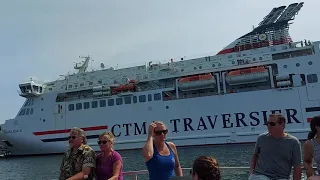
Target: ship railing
(188,171)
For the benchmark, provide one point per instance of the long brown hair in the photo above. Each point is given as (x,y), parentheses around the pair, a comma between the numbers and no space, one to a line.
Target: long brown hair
(207,168)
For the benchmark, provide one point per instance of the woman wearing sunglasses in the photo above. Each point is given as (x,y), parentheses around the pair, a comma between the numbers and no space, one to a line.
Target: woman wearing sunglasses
(161,157)
(109,162)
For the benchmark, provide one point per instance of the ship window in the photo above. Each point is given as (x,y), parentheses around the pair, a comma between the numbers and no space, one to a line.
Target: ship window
(94,104)
(102,103)
(142,98)
(71,107)
(312,78)
(110,102)
(298,64)
(99,82)
(27,111)
(149,97)
(23,111)
(119,101)
(27,103)
(157,97)
(78,106)
(70,86)
(134,98)
(31,111)
(127,100)
(76,85)
(86,105)
(90,83)
(81,84)
(310,62)
(50,89)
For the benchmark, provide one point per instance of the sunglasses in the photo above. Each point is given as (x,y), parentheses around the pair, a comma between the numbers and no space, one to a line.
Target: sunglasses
(102,142)
(158,133)
(73,137)
(272,123)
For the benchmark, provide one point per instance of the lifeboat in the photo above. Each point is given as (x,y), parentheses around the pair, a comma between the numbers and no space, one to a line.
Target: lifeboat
(125,87)
(247,76)
(197,82)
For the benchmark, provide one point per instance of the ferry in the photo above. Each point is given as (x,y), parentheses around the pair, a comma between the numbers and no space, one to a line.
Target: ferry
(225,98)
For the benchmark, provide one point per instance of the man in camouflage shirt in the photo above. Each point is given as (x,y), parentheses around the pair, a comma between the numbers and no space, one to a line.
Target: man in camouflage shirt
(79,161)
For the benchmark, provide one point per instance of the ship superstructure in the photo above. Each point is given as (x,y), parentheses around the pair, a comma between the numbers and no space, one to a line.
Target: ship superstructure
(220,99)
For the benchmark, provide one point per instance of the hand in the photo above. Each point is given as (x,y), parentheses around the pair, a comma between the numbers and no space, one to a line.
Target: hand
(152,126)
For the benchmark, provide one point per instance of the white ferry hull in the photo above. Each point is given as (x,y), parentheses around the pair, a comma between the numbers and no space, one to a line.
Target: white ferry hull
(225,119)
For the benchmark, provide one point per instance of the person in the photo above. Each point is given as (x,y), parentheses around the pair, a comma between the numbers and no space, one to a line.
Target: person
(205,167)
(276,152)
(311,148)
(109,162)
(161,157)
(79,160)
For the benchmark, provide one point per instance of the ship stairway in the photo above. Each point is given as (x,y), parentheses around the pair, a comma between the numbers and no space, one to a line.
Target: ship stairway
(157,86)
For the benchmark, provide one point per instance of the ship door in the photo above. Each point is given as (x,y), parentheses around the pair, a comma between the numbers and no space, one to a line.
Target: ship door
(313,86)
(59,116)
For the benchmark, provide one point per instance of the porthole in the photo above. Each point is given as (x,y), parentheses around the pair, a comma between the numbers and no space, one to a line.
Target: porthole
(219,64)
(233,62)
(298,64)
(260,58)
(310,62)
(213,65)
(194,68)
(285,66)
(167,107)
(200,67)
(182,70)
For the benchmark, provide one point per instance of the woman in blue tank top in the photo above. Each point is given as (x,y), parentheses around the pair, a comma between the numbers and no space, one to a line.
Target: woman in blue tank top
(161,157)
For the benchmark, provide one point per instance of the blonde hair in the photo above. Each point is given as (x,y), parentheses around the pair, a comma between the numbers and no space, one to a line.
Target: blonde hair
(161,123)
(108,135)
(80,132)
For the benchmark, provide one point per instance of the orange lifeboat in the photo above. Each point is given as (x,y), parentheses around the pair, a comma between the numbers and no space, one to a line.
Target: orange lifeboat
(248,75)
(125,87)
(197,82)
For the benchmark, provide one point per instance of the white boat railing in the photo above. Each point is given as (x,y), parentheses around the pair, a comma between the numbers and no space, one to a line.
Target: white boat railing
(134,174)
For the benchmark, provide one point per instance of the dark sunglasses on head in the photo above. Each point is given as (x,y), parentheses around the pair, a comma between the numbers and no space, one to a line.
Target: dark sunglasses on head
(102,142)
(73,137)
(160,132)
(272,123)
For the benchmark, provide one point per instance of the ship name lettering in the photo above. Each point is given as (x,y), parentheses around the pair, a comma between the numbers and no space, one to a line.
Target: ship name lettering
(117,129)
(231,120)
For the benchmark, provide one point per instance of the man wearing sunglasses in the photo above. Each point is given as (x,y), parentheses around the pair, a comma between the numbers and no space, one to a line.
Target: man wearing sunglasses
(79,160)
(275,153)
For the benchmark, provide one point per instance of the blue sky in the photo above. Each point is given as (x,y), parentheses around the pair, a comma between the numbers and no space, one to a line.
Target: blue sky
(43,39)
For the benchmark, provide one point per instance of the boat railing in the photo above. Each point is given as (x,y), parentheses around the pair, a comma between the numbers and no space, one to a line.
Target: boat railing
(187,171)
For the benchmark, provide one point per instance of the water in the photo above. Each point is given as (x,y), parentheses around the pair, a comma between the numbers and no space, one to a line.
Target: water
(47,167)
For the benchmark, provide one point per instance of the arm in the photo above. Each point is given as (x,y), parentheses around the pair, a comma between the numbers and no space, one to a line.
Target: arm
(116,170)
(253,162)
(148,147)
(81,175)
(307,158)
(177,167)
(255,155)
(297,172)
(89,162)
(296,161)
